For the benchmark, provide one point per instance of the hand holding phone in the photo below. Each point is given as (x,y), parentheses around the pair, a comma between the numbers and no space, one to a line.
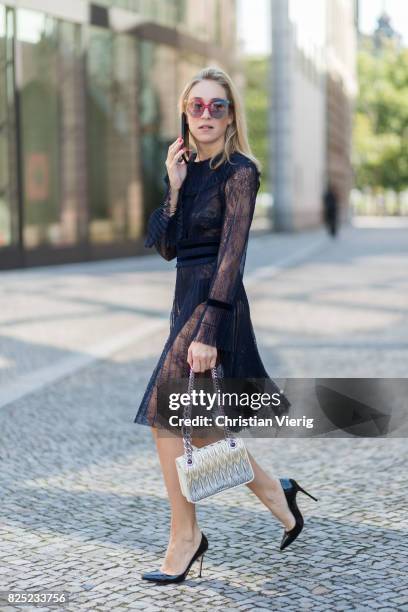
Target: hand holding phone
(176,168)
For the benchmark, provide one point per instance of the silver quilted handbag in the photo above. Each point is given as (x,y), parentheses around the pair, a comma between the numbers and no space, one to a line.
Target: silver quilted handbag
(213,468)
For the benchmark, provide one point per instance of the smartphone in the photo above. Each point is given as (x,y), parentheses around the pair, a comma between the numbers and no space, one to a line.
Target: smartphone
(184,134)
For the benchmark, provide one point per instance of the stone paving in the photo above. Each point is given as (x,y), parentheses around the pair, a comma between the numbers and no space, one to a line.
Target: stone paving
(83,505)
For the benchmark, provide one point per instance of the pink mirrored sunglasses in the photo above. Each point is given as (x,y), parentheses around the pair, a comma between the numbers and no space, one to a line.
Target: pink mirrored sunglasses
(217,107)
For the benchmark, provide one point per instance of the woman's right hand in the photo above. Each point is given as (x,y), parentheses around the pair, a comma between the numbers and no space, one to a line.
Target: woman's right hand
(176,171)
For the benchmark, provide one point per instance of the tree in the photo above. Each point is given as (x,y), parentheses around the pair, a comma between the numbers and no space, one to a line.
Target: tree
(256,104)
(380,154)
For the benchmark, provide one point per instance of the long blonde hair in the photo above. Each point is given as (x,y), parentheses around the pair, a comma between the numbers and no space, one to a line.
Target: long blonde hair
(236,138)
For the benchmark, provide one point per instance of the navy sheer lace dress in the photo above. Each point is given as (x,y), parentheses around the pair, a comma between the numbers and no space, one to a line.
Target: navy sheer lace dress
(208,234)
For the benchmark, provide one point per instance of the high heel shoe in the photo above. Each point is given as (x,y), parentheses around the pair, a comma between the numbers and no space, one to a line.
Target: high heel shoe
(163,578)
(290,488)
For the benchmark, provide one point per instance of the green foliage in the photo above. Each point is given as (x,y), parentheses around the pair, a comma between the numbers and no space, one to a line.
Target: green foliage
(256,106)
(380,155)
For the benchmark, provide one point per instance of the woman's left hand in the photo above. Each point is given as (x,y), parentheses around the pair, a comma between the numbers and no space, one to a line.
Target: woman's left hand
(201,357)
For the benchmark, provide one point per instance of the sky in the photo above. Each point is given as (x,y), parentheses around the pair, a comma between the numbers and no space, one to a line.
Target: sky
(397,10)
(254,17)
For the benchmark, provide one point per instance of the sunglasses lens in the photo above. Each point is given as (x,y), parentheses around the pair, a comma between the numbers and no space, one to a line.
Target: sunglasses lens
(217,109)
(196,109)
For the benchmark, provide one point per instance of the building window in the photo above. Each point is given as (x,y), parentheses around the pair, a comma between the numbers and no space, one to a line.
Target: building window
(115,195)
(8,152)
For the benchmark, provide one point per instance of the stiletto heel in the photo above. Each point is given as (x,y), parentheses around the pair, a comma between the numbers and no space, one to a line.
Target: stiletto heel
(163,578)
(290,488)
(201,565)
(303,491)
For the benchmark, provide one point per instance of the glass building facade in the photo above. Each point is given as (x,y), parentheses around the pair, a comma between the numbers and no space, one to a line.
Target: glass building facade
(88,108)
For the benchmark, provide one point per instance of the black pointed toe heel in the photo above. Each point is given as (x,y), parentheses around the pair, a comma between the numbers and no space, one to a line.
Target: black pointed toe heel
(163,578)
(290,488)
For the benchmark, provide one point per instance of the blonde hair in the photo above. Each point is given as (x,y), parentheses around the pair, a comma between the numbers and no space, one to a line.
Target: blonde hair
(236,138)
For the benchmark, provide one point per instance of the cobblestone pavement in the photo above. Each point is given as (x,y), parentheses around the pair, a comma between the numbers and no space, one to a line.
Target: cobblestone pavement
(83,506)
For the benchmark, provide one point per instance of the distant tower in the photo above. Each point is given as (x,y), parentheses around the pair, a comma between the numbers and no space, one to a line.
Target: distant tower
(384,30)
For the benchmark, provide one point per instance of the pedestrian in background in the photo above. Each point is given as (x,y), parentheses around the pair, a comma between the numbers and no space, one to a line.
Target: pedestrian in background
(330,202)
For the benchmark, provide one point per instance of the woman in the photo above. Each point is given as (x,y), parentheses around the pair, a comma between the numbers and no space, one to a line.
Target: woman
(204,221)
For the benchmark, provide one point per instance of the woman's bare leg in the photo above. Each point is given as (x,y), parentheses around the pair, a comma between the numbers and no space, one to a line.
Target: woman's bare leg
(185,534)
(267,489)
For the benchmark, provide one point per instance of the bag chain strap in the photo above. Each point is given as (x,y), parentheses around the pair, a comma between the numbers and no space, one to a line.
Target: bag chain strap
(187,429)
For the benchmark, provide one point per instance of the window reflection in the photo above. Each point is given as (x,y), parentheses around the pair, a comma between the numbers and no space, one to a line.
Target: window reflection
(8,180)
(79,134)
(4,171)
(37,51)
(114,188)
(158,114)
(97,110)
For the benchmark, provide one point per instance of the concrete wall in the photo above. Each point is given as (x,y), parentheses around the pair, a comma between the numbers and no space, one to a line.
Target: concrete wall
(313,45)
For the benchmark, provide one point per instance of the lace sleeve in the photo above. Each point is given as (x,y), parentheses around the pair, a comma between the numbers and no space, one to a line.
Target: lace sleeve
(214,327)
(161,227)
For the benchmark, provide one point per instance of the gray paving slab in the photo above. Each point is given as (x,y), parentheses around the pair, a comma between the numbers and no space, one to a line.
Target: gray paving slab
(83,505)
